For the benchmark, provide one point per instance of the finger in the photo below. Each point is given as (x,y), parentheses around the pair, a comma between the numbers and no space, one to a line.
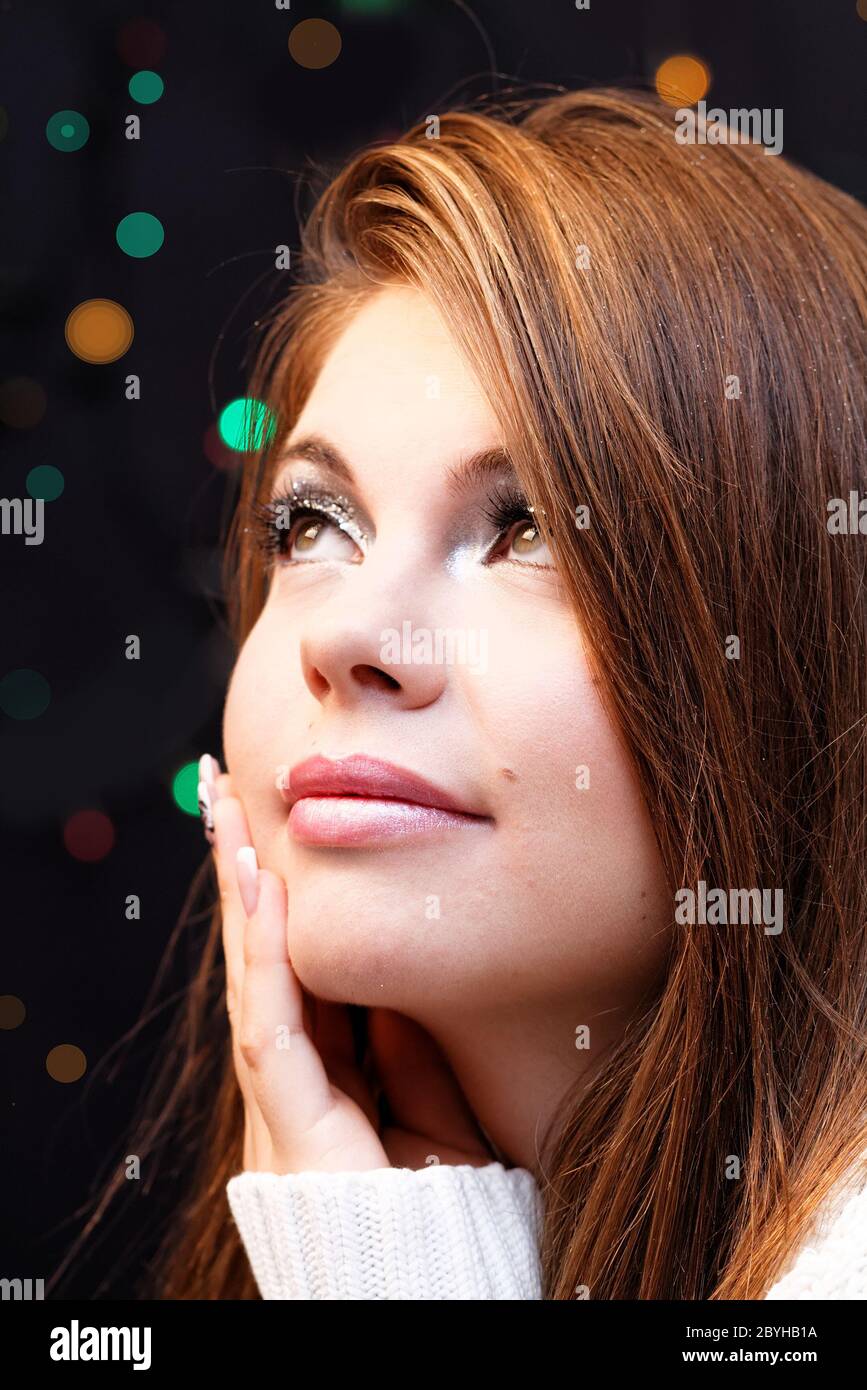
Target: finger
(230,827)
(423,1094)
(289,1081)
(231,833)
(335,1042)
(212,784)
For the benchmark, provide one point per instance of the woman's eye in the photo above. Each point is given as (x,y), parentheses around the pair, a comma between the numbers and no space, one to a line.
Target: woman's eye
(515,527)
(529,544)
(303,534)
(312,536)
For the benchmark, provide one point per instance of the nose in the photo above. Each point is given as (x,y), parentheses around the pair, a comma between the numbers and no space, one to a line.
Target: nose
(349,659)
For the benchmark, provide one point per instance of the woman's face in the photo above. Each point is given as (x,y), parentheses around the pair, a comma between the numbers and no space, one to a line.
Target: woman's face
(550,895)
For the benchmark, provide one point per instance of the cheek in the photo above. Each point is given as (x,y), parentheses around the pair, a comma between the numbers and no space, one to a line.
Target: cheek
(265,686)
(617,873)
(589,903)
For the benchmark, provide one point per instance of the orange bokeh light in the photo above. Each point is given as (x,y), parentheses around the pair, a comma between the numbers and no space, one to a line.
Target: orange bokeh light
(682,80)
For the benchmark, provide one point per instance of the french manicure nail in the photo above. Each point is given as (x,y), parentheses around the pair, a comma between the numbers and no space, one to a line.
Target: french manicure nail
(248,878)
(206,811)
(209,769)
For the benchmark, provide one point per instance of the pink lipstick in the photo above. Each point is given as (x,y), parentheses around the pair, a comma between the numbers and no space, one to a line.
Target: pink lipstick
(363,802)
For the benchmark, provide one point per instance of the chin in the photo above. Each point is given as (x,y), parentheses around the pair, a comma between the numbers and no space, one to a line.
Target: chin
(348,956)
(362,953)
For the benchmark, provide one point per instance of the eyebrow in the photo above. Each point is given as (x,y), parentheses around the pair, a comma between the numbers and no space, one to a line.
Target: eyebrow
(461,477)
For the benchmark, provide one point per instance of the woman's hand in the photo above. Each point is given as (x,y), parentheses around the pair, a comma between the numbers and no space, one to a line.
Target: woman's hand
(431,1121)
(296,1120)
(307,1104)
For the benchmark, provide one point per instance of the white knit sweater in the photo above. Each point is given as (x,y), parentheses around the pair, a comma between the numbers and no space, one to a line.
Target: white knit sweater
(459,1232)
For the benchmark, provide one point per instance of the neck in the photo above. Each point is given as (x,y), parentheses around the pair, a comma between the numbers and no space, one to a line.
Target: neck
(519,1071)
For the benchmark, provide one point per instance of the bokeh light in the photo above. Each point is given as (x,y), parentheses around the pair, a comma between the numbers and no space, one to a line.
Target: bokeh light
(140,234)
(218,454)
(682,80)
(45,481)
(66,1063)
(185,788)
(22,402)
(371,7)
(67,130)
(88,836)
(12,1011)
(99,330)
(146,87)
(315,43)
(141,43)
(245,424)
(24,694)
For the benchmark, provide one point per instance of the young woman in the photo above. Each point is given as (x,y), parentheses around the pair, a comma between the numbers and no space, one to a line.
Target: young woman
(541,835)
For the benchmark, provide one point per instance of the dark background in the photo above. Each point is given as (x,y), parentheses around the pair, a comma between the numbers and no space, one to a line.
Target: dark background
(132,545)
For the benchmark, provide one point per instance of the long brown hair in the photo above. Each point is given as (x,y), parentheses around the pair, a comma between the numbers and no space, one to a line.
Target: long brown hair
(672,337)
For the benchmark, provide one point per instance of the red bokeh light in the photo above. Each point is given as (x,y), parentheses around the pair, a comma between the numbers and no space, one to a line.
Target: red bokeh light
(88,836)
(141,43)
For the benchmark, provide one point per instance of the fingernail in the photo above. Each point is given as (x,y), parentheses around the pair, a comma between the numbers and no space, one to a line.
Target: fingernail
(206,811)
(209,769)
(248,878)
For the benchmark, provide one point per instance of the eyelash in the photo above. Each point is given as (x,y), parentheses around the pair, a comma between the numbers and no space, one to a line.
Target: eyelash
(302,501)
(506,506)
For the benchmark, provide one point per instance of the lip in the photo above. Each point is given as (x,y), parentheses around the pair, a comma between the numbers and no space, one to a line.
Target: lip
(362,801)
(359,775)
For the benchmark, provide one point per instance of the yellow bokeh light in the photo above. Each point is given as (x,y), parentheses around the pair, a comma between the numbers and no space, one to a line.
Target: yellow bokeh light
(682,80)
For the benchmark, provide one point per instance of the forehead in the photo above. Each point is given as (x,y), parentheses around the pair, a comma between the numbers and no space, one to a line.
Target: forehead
(395,390)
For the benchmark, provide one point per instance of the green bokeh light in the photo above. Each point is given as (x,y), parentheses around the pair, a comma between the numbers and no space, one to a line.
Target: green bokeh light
(245,424)
(24,694)
(372,7)
(46,482)
(146,87)
(67,130)
(140,234)
(185,788)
